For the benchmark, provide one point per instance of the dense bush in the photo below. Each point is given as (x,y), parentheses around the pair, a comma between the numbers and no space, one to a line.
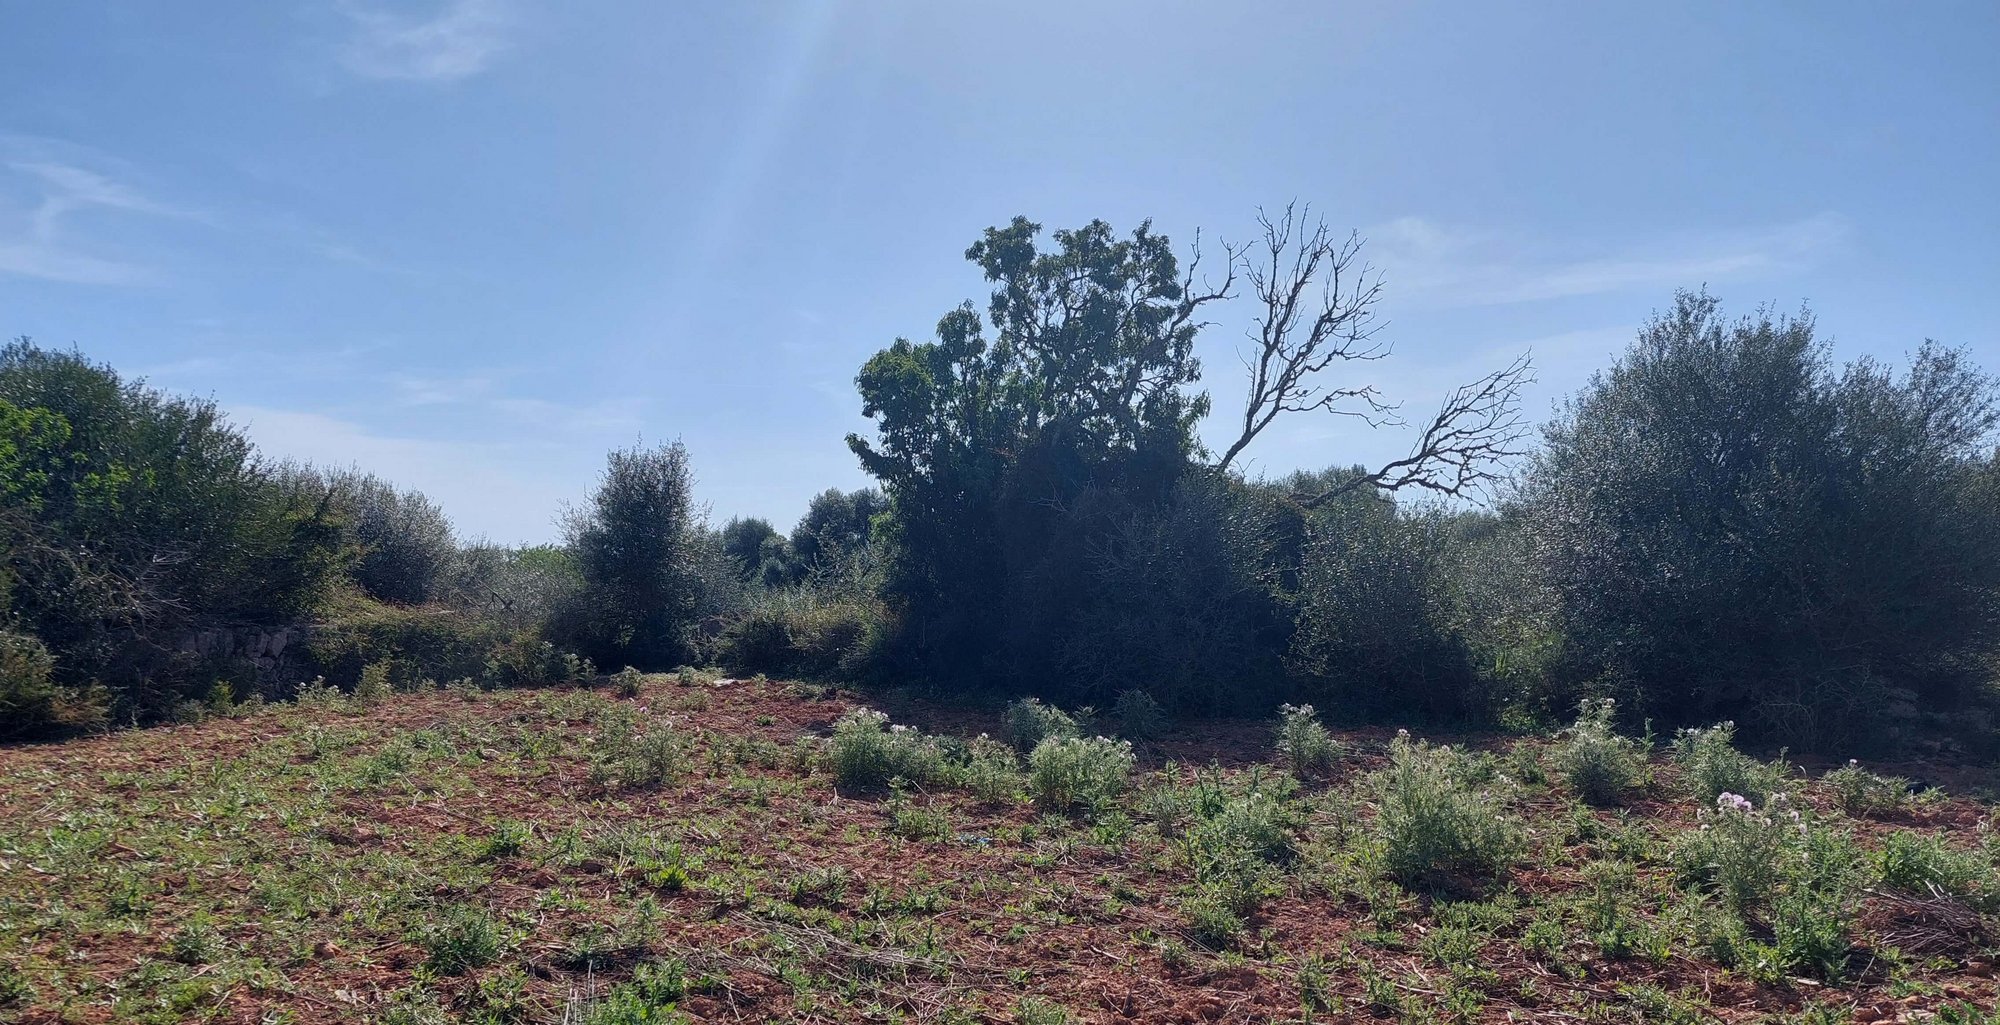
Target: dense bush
(1734,528)
(1377,613)
(809,630)
(399,545)
(131,519)
(414,642)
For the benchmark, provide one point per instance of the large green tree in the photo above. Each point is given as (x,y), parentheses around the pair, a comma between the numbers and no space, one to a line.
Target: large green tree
(1737,528)
(1042,461)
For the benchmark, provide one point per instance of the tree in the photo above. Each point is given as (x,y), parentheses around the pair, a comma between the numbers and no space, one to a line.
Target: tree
(1023,468)
(637,547)
(756,549)
(1736,529)
(836,524)
(989,448)
(401,543)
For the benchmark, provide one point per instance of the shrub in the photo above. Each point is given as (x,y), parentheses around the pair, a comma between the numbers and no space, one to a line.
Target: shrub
(374,685)
(867,752)
(992,771)
(31,701)
(1029,722)
(1861,792)
(1712,766)
(1140,718)
(627,682)
(1433,825)
(1304,746)
(1067,772)
(1597,763)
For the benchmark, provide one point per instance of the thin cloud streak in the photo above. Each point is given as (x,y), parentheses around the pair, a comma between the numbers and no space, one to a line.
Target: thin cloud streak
(459,41)
(1445,266)
(35,242)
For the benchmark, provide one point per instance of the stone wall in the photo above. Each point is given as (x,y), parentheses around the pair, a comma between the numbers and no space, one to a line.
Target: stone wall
(264,646)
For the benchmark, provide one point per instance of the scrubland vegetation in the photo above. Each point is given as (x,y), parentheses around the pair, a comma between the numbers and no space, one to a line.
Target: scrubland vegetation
(1152,768)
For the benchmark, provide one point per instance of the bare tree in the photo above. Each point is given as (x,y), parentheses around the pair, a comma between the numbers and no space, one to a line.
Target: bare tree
(1319,311)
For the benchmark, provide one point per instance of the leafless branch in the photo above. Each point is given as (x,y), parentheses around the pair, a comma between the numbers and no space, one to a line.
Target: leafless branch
(1319,302)
(1319,309)
(1459,453)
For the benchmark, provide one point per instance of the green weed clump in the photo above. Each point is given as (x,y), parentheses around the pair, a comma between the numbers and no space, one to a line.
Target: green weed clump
(374,686)
(991,771)
(1712,766)
(867,752)
(1234,846)
(1596,762)
(1065,773)
(1434,824)
(1862,793)
(1778,863)
(627,682)
(1304,745)
(1029,722)
(1923,865)
(466,938)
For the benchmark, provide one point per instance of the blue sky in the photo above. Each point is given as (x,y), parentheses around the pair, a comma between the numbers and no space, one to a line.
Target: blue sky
(472,244)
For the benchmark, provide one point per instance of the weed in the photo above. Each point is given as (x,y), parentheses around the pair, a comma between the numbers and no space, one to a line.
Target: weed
(507,840)
(465,939)
(1036,1011)
(1713,767)
(197,942)
(1029,722)
(1067,773)
(1433,824)
(627,682)
(1304,745)
(374,686)
(1599,765)
(14,986)
(867,752)
(1140,718)
(1861,792)
(1920,864)
(991,771)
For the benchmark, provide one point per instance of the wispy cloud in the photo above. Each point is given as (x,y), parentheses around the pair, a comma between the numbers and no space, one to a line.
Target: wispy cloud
(1452,266)
(458,40)
(36,238)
